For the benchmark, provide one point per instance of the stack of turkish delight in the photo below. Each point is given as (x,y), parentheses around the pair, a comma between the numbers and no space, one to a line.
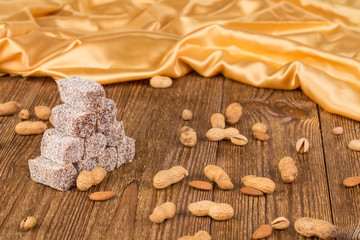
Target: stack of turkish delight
(86,135)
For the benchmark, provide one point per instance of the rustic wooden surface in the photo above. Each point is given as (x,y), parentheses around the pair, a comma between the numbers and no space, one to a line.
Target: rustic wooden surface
(153,118)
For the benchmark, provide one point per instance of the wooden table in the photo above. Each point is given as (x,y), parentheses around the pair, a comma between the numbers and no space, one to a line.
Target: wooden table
(153,118)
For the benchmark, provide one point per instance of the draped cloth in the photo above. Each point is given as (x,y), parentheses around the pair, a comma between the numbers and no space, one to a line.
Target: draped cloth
(311,44)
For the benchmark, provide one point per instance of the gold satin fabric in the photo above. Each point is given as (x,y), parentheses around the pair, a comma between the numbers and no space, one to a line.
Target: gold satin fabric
(311,44)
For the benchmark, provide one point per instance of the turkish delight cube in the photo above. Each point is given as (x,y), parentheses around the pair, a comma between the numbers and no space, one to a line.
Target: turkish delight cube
(84,94)
(61,148)
(108,159)
(73,122)
(49,173)
(86,164)
(106,116)
(115,134)
(125,151)
(94,145)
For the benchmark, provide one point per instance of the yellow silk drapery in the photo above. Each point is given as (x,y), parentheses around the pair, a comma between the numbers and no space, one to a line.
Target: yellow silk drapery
(312,44)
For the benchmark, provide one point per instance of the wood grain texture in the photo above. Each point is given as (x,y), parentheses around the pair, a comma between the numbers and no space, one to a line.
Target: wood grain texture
(153,118)
(341,163)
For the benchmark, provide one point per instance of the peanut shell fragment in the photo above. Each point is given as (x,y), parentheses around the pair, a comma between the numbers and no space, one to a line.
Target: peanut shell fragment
(233,113)
(216,174)
(280,223)
(30,128)
(9,108)
(338,130)
(186,114)
(24,114)
(188,136)
(201,185)
(239,139)
(165,178)
(27,223)
(302,145)
(262,232)
(311,227)
(161,82)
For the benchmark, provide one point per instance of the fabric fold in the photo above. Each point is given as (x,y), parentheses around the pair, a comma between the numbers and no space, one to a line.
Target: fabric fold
(312,45)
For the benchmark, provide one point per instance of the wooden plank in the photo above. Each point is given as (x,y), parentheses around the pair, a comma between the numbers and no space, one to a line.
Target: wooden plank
(289,116)
(14,153)
(342,162)
(153,118)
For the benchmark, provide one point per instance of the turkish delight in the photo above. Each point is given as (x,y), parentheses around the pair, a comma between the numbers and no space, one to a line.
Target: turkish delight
(94,145)
(115,134)
(125,151)
(84,94)
(86,164)
(61,148)
(72,121)
(108,159)
(106,116)
(47,172)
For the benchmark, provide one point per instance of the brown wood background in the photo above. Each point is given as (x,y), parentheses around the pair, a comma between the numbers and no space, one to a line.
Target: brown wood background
(153,118)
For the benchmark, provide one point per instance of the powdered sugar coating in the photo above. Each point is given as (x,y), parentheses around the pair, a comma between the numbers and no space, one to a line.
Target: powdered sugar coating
(108,159)
(61,148)
(126,151)
(84,94)
(115,134)
(94,145)
(73,122)
(106,116)
(47,172)
(87,164)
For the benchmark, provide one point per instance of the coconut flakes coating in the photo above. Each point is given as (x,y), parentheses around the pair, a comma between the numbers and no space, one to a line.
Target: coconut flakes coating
(94,145)
(49,173)
(126,151)
(86,164)
(84,94)
(73,122)
(60,148)
(115,134)
(108,159)
(106,116)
